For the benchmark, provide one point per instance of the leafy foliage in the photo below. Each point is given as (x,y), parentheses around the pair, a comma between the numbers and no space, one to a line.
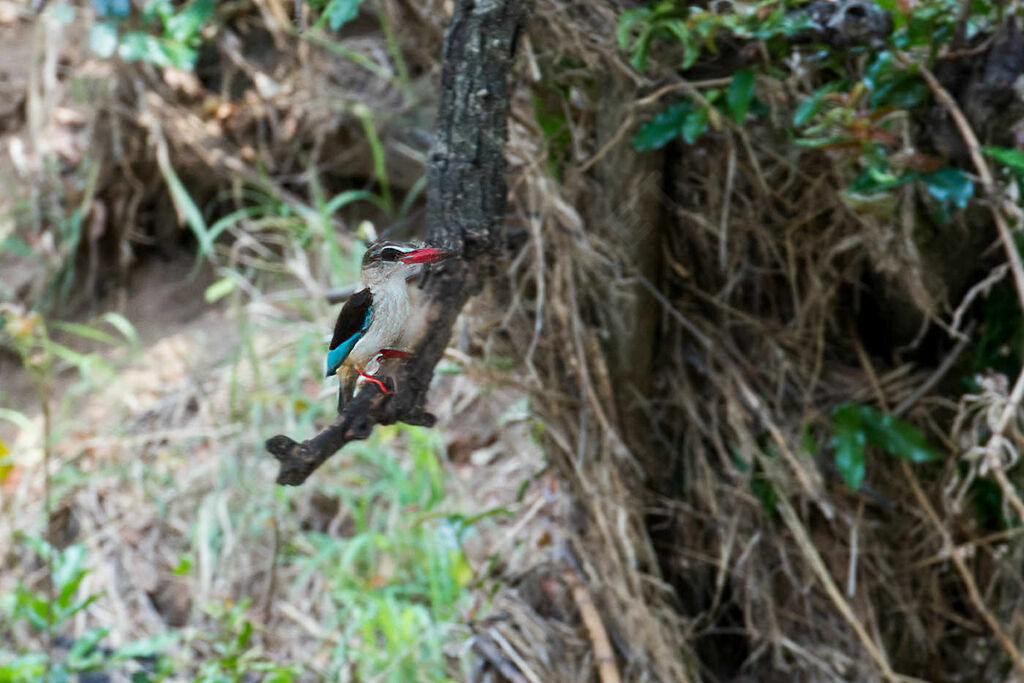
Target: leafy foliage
(395,587)
(696,29)
(689,121)
(848,115)
(86,652)
(855,426)
(160,35)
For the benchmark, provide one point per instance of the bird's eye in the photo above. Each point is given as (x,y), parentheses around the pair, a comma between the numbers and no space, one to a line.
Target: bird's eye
(390,255)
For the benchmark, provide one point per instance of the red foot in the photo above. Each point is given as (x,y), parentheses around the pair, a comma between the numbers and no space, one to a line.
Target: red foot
(371,378)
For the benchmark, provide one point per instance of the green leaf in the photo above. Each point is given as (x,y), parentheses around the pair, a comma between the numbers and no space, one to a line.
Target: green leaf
(641,48)
(186,24)
(628,20)
(122,325)
(68,572)
(875,179)
(765,492)
(811,104)
(897,437)
(83,654)
(819,142)
(739,95)
(183,567)
(158,9)
(695,125)
(347,197)
(147,647)
(220,289)
(83,362)
(141,47)
(949,186)
(340,12)
(663,128)
(881,67)
(1014,158)
(179,55)
(855,425)
(29,667)
(849,440)
(103,39)
(184,204)
(904,89)
(677,27)
(84,331)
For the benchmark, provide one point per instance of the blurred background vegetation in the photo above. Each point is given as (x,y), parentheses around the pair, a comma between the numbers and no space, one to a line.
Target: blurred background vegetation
(744,406)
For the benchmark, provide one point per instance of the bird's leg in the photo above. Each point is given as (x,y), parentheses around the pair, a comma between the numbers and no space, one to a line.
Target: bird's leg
(371,378)
(381,355)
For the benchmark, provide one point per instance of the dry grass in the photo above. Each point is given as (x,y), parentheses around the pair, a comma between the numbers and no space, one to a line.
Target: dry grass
(759,281)
(695,518)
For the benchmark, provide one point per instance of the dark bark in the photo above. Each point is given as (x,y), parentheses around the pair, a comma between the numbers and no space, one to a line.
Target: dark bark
(466,195)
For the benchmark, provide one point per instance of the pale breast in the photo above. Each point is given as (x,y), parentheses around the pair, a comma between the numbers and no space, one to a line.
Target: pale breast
(390,312)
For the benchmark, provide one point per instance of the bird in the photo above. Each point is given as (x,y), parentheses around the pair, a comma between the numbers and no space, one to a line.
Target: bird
(375,323)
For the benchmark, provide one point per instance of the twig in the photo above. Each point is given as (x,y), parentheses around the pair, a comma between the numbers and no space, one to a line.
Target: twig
(723,228)
(948,55)
(933,379)
(607,671)
(513,655)
(484,646)
(466,197)
(953,552)
(813,558)
(979,288)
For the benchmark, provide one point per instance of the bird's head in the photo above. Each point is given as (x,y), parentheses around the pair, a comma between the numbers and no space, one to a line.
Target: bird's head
(385,259)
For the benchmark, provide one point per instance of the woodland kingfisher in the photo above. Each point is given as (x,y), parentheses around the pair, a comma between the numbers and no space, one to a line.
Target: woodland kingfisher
(375,322)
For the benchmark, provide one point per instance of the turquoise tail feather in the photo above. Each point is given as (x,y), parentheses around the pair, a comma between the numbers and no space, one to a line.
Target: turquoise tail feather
(337,355)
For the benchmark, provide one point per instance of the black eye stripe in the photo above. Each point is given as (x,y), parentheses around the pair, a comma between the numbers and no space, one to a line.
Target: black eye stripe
(385,253)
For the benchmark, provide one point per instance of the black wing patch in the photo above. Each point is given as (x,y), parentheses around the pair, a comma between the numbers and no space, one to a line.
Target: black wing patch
(353,317)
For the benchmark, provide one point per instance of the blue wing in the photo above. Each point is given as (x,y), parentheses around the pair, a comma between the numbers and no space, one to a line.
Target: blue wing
(352,322)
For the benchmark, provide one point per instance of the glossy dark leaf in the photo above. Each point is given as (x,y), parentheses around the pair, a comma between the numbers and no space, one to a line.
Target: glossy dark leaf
(1013,158)
(874,179)
(695,125)
(739,95)
(849,440)
(856,425)
(628,20)
(905,90)
(811,105)
(663,128)
(765,493)
(340,12)
(897,437)
(949,186)
(186,24)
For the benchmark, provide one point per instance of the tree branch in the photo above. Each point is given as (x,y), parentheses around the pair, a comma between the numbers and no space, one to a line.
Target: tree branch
(466,195)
